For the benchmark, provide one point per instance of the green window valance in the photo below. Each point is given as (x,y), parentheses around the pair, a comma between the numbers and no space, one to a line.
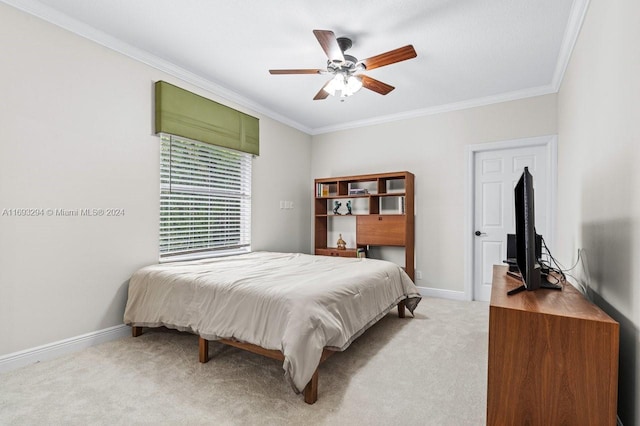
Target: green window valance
(182,113)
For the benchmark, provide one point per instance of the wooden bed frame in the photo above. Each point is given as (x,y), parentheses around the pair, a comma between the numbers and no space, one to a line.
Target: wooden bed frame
(310,391)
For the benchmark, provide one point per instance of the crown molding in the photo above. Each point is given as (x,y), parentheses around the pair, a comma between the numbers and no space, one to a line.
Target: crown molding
(61,20)
(576,18)
(470,103)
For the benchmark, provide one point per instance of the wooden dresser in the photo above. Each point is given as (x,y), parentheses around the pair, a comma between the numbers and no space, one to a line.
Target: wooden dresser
(553,357)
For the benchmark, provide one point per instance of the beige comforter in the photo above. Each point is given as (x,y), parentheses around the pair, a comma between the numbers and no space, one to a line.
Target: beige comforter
(291,302)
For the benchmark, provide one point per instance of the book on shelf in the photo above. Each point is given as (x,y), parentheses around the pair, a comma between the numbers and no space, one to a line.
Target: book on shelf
(358,191)
(322,190)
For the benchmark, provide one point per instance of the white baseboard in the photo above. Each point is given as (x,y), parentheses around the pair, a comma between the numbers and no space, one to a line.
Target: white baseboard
(441,293)
(53,350)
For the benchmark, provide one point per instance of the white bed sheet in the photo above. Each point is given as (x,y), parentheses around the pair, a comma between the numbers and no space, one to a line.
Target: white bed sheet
(291,302)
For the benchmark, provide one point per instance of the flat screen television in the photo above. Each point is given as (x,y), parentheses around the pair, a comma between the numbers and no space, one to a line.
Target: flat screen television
(527,256)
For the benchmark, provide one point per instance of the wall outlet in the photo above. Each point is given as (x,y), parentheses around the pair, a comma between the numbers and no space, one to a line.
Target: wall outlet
(286,205)
(418,275)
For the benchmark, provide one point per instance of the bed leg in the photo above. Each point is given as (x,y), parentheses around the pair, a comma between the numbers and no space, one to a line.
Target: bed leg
(136,331)
(401,307)
(203,350)
(311,390)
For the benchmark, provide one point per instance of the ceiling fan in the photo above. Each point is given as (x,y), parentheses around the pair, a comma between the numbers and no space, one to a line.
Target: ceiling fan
(347,70)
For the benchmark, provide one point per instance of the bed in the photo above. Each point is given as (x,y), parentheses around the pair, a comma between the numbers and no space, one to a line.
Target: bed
(293,307)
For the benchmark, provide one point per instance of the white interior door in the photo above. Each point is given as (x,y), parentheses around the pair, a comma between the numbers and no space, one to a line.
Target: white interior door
(495,176)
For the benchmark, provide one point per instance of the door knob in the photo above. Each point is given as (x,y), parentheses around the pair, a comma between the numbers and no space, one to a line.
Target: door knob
(478,233)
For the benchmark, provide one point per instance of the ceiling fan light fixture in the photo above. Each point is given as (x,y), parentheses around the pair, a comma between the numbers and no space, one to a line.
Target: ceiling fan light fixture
(353,84)
(334,85)
(343,85)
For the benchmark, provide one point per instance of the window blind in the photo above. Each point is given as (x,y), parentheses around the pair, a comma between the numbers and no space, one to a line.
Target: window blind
(205,199)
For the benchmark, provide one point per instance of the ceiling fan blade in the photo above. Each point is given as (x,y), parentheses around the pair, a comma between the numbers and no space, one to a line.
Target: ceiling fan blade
(329,43)
(322,94)
(301,71)
(375,85)
(391,57)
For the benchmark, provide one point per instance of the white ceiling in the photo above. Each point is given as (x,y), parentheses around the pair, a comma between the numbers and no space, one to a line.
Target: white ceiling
(470,52)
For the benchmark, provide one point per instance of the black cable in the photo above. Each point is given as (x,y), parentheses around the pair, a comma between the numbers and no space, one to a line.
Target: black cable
(558,268)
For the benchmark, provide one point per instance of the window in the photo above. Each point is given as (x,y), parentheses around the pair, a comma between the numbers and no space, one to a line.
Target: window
(205,199)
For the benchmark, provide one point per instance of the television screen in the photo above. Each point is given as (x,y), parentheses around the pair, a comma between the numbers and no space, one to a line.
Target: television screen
(526,232)
(527,242)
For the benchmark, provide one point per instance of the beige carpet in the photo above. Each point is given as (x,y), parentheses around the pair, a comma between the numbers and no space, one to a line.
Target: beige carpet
(427,370)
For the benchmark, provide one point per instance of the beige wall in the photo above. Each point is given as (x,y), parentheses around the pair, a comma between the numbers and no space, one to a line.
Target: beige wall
(76,124)
(433,148)
(599,175)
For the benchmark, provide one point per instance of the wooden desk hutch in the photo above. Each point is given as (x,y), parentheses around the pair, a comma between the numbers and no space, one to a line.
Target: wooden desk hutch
(377,224)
